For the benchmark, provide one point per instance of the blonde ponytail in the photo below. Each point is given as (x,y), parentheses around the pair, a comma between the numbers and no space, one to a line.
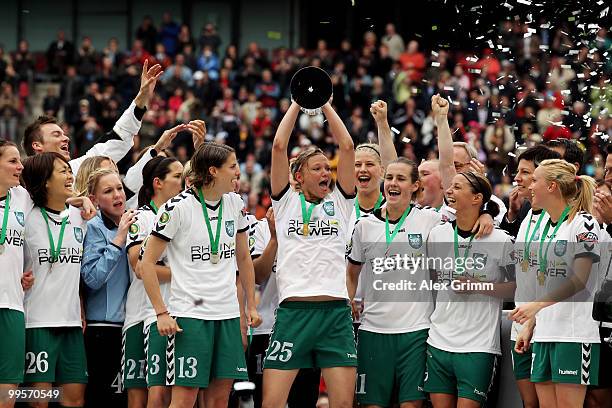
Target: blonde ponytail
(584,198)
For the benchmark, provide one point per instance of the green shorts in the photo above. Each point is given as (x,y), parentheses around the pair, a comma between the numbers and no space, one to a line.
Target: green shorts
(389,362)
(12,346)
(203,351)
(467,375)
(133,358)
(521,363)
(55,355)
(155,346)
(312,335)
(566,363)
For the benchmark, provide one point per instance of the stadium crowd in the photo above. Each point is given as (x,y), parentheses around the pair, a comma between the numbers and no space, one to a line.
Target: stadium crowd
(523,89)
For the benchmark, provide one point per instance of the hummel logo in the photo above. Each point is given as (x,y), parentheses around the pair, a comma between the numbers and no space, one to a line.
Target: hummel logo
(348,355)
(568,372)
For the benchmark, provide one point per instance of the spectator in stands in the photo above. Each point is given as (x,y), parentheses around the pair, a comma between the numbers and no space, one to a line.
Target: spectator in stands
(413,61)
(138,54)
(87,59)
(24,63)
(393,41)
(262,124)
(168,34)
(147,34)
(51,102)
(257,54)
(112,52)
(209,37)
(191,60)
(161,57)
(71,92)
(59,54)
(268,90)
(185,38)
(88,135)
(178,70)
(209,62)
(9,113)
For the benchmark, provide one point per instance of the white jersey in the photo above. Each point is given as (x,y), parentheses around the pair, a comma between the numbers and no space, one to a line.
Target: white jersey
(11,252)
(527,267)
(465,323)
(268,301)
(390,310)
(569,320)
(605,263)
(53,300)
(138,306)
(359,292)
(313,265)
(199,288)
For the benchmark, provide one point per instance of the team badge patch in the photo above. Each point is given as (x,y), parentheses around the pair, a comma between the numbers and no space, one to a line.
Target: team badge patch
(479,259)
(78,234)
(134,229)
(415,240)
(20,218)
(164,218)
(229,227)
(251,242)
(560,247)
(328,207)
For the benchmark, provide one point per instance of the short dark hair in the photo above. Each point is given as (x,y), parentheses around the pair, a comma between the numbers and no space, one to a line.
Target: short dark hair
(573,154)
(157,167)
(32,133)
(414,169)
(207,155)
(537,154)
(37,170)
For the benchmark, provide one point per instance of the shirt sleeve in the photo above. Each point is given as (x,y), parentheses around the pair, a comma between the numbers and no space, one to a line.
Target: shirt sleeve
(242,223)
(259,238)
(133,177)
(101,259)
(346,202)
(585,238)
(281,202)
(168,221)
(508,260)
(137,231)
(356,250)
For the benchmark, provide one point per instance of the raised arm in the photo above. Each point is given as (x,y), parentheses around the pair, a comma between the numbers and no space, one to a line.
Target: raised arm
(346,149)
(385,138)
(439,107)
(280,161)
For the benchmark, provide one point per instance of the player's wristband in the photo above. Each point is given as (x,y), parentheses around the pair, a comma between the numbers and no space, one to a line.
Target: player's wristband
(162,313)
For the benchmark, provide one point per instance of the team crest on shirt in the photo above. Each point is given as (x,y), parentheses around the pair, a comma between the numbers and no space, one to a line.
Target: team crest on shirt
(78,234)
(479,260)
(134,228)
(415,240)
(328,207)
(164,218)
(251,242)
(560,247)
(229,227)
(20,218)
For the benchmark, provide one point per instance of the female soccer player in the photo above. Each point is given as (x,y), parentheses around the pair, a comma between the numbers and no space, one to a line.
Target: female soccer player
(313,326)
(566,342)
(204,341)
(474,274)
(143,346)
(54,236)
(106,278)
(14,207)
(393,332)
